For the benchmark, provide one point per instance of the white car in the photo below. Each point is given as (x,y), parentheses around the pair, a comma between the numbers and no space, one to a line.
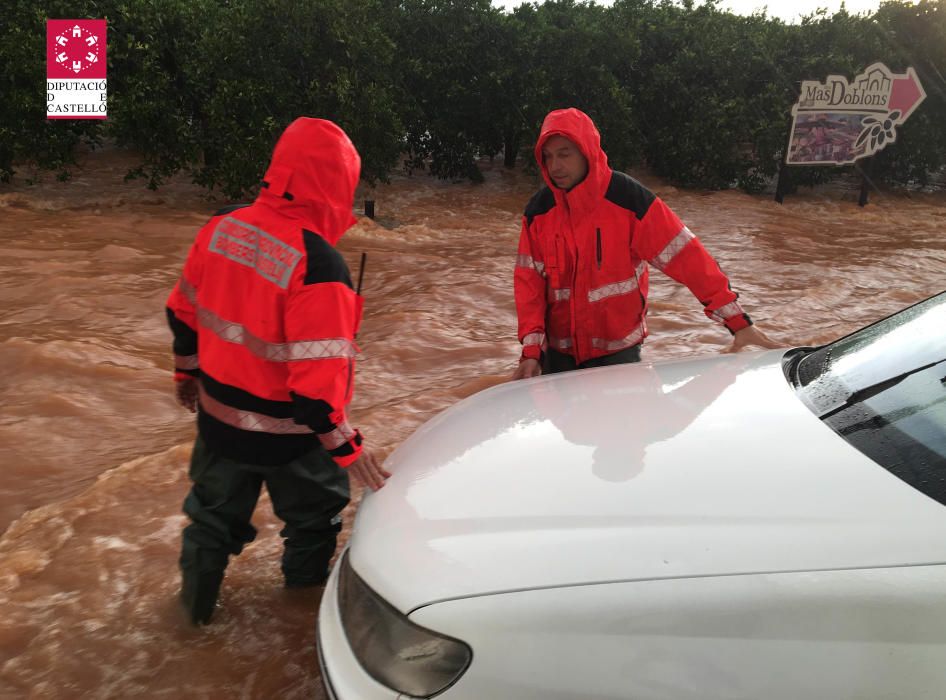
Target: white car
(763,525)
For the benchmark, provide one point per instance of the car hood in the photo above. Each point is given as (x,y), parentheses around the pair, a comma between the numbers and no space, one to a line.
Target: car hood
(707,467)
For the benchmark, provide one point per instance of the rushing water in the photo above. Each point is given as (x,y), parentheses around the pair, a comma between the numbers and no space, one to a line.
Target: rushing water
(94,449)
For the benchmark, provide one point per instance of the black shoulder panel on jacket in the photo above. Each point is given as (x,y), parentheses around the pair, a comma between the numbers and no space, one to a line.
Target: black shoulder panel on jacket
(628,193)
(541,202)
(230,209)
(323,262)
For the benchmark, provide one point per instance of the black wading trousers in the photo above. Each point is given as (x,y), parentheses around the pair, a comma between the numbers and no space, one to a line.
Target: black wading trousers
(308,495)
(555,361)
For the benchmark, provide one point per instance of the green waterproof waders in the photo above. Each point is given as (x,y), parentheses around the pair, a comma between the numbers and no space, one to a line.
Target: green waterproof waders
(308,495)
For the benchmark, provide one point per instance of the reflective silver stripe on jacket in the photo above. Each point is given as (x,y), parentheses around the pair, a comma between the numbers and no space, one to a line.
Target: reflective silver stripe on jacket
(676,244)
(561,294)
(560,343)
(249,420)
(529,262)
(617,288)
(186,362)
(187,289)
(338,437)
(728,311)
(232,332)
(534,339)
(633,338)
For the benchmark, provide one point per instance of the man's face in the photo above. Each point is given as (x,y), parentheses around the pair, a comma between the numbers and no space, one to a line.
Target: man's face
(564,162)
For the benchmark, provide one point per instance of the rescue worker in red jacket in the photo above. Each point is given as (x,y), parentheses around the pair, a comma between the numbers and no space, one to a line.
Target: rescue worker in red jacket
(264,319)
(588,238)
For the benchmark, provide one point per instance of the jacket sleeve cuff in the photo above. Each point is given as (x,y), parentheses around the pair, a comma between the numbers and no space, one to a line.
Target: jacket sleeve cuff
(530,352)
(737,323)
(186,366)
(346,452)
(532,344)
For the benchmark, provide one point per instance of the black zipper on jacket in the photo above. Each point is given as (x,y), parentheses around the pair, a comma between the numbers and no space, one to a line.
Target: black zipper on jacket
(598,231)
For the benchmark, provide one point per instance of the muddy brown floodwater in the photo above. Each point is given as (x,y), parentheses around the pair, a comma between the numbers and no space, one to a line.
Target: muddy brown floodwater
(94,449)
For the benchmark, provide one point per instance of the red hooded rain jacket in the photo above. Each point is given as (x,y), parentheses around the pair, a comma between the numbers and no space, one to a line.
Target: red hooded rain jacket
(265,313)
(581,275)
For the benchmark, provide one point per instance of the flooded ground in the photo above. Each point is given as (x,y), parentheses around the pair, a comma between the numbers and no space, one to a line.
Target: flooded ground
(95,449)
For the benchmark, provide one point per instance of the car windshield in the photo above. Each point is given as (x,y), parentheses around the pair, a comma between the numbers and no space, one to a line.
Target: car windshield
(883,389)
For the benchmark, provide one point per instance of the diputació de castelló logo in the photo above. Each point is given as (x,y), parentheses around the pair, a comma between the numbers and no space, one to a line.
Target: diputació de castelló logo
(76,84)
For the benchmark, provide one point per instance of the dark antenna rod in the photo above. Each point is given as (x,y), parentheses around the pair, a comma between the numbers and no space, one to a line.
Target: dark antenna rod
(361,272)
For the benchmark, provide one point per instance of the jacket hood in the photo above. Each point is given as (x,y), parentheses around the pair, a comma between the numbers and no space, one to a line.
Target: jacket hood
(578,128)
(312,177)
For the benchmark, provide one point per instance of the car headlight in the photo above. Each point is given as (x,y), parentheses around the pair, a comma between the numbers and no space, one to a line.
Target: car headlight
(393,650)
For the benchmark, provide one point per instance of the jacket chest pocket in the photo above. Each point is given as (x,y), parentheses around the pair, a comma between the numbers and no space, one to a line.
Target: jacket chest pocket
(558,264)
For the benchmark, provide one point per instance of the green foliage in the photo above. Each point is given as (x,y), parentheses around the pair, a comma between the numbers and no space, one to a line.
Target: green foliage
(451,62)
(156,82)
(206,86)
(569,56)
(267,62)
(701,95)
(916,36)
(711,98)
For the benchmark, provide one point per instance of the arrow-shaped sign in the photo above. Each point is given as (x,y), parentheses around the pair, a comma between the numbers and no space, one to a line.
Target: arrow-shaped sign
(906,94)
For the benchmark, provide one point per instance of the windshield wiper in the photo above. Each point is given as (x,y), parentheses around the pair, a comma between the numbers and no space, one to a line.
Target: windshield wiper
(873,389)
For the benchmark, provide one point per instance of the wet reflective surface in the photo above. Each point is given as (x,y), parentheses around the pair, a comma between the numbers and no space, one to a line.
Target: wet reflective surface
(691,468)
(95,449)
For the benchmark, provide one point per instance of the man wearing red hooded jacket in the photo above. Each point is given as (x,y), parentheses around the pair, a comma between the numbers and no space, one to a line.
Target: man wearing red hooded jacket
(588,238)
(264,318)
